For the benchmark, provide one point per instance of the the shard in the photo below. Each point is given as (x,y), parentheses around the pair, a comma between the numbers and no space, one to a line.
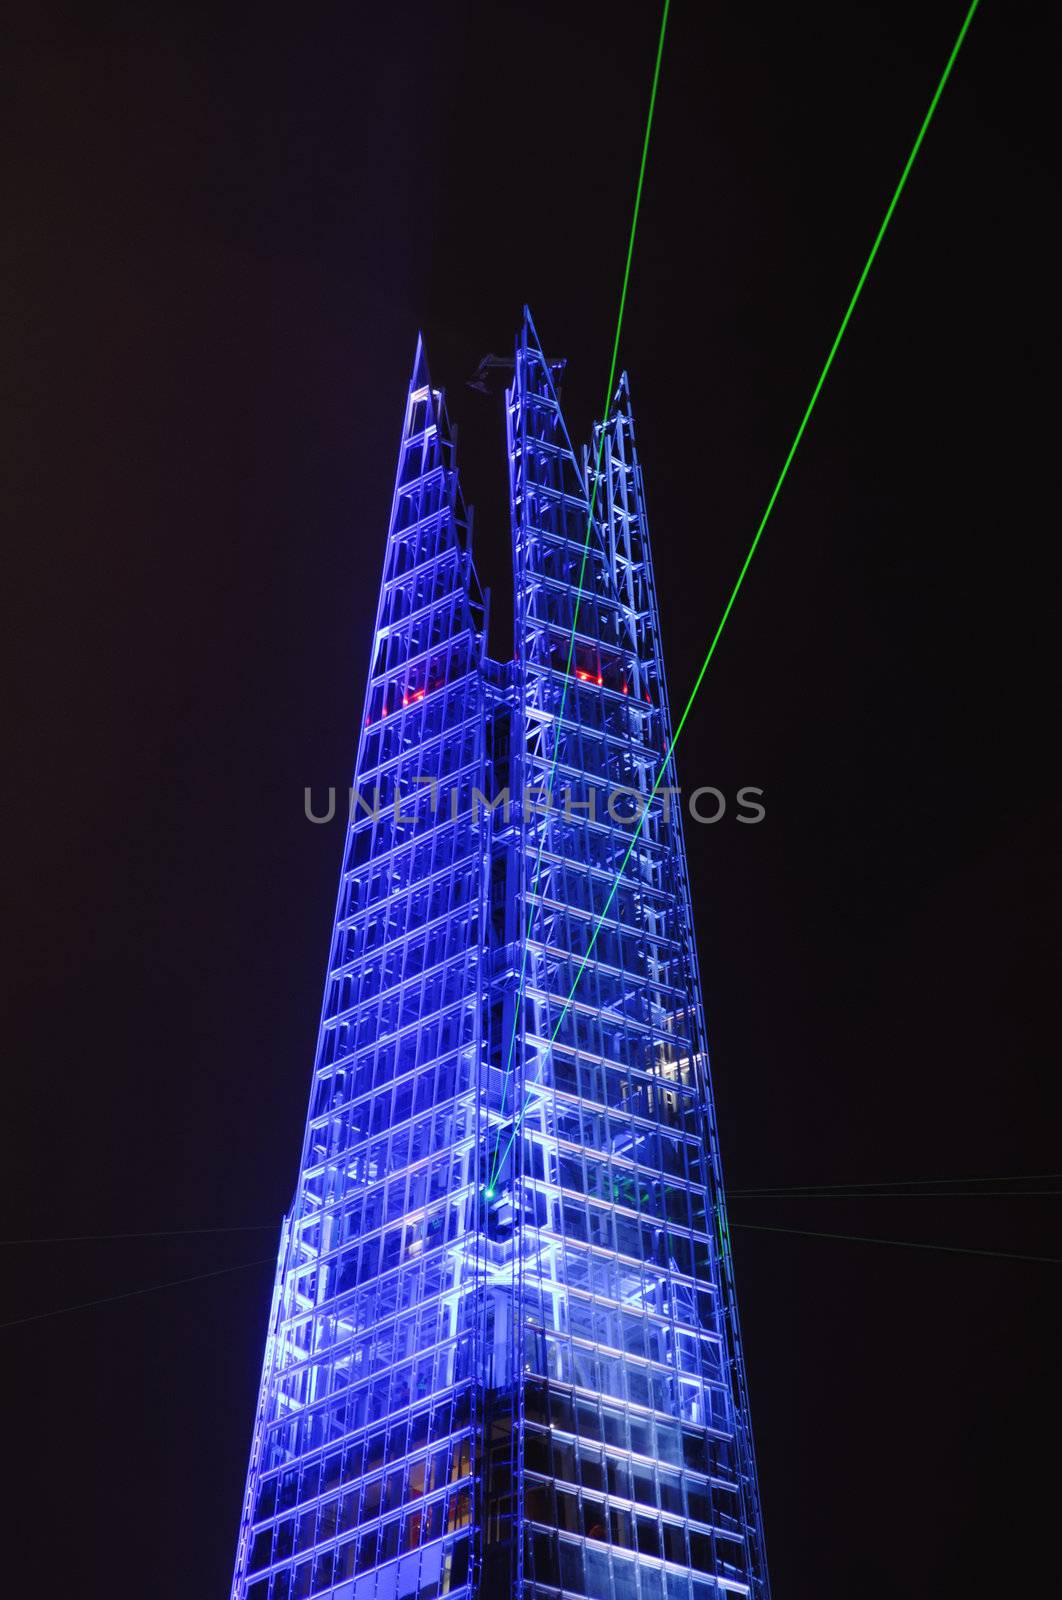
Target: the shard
(503,1356)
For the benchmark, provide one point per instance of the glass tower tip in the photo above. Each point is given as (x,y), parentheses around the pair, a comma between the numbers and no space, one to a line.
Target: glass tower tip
(503,1354)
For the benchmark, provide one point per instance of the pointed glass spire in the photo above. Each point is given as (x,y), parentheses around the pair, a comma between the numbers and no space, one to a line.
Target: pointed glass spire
(503,1354)
(368,1390)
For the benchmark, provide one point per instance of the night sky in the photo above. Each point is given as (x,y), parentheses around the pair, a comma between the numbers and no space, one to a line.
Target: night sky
(222,235)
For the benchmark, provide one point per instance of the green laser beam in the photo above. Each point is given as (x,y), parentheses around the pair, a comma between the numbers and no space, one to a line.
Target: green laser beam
(853,302)
(517,1008)
(590,516)
(903,1244)
(131,1294)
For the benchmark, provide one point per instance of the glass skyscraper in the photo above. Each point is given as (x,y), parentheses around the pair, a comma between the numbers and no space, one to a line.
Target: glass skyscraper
(503,1354)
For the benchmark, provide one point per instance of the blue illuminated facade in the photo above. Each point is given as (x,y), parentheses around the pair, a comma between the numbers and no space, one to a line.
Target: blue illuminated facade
(503,1354)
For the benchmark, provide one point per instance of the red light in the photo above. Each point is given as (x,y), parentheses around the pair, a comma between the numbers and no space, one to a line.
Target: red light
(405,699)
(419,695)
(584,677)
(625,689)
(600,680)
(368,722)
(648,699)
(383,713)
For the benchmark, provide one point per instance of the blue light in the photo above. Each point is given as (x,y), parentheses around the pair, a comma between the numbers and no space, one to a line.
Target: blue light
(503,1354)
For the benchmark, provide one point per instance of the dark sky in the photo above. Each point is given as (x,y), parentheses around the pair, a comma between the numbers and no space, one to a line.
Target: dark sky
(222,233)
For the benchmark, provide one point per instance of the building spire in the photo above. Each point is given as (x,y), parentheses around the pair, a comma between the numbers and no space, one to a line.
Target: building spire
(508,1229)
(421,378)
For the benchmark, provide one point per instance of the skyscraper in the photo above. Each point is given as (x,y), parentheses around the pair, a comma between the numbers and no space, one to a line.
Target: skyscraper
(503,1354)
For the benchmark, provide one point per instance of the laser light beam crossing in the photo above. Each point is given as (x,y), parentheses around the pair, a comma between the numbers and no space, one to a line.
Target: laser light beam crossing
(499,1161)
